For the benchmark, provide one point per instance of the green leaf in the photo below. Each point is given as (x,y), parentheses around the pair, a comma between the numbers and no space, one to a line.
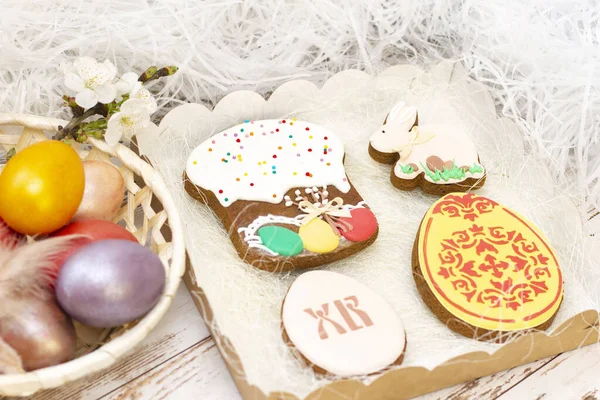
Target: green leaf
(10,153)
(115,107)
(475,168)
(407,169)
(445,174)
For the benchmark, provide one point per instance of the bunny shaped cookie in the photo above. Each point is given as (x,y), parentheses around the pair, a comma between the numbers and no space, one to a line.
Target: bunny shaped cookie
(440,158)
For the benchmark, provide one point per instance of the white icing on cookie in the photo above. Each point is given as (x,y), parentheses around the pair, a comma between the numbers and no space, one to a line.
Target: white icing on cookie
(250,232)
(416,145)
(262,160)
(389,136)
(448,143)
(340,325)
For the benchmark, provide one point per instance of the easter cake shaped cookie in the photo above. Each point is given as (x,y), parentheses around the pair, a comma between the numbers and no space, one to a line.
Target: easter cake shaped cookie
(280,189)
(440,158)
(484,270)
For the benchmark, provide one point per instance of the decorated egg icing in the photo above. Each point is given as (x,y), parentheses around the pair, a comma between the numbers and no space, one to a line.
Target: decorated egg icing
(281,240)
(487,265)
(319,237)
(341,326)
(363,224)
(262,160)
(281,186)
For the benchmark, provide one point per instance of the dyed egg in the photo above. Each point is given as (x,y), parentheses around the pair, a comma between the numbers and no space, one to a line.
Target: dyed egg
(94,230)
(341,326)
(103,192)
(318,236)
(40,333)
(41,187)
(487,266)
(281,240)
(363,225)
(110,283)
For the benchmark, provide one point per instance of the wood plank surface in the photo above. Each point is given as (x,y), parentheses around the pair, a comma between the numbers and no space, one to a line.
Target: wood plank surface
(197,373)
(179,360)
(572,375)
(181,328)
(489,387)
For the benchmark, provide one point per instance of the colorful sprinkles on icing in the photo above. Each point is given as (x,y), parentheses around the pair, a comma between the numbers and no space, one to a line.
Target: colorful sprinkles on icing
(209,169)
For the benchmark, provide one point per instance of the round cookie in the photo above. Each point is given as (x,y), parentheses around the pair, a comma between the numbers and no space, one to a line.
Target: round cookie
(484,270)
(340,326)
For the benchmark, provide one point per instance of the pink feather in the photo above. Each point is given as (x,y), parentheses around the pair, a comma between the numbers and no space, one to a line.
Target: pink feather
(28,270)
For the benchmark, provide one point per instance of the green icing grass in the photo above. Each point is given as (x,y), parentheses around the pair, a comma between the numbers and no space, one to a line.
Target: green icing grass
(407,169)
(446,174)
(451,173)
(475,169)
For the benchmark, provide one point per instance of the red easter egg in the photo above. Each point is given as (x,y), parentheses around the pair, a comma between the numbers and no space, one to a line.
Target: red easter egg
(95,230)
(364,225)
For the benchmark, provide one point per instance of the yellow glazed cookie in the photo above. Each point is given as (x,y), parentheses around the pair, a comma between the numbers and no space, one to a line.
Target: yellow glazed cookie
(484,269)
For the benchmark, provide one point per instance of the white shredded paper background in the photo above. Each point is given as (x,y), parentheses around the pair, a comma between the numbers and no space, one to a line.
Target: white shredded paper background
(247,302)
(539,59)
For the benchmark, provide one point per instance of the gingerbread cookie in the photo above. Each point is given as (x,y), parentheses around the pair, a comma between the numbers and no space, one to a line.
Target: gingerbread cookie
(340,326)
(484,270)
(281,191)
(439,158)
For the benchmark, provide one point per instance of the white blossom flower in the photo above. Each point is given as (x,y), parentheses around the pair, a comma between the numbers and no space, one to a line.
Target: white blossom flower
(132,120)
(126,83)
(92,82)
(129,84)
(141,93)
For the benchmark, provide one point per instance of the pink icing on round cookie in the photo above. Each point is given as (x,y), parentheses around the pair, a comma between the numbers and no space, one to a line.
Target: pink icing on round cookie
(363,222)
(342,326)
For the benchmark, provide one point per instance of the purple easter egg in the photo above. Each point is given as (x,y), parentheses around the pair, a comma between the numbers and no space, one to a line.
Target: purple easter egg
(109,283)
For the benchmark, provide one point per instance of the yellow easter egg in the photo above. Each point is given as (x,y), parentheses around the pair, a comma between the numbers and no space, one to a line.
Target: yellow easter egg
(487,265)
(318,236)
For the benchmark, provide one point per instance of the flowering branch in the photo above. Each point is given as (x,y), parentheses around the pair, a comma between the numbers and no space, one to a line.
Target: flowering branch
(107,107)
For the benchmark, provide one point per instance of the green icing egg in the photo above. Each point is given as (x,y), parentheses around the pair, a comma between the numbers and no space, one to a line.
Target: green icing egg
(281,240)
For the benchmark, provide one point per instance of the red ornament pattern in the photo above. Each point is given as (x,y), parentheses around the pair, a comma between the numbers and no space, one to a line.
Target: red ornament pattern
(524,259)
(468,206)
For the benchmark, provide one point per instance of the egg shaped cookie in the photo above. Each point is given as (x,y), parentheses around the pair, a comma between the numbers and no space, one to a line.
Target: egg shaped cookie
(484,270)
(339,326)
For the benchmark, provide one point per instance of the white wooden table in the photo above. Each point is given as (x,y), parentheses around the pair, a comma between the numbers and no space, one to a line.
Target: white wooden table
(179,360)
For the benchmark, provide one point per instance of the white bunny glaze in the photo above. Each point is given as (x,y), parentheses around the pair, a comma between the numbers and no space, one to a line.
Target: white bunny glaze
(401,119)
(440,151)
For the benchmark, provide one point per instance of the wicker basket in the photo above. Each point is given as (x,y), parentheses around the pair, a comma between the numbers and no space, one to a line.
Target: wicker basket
(143,218)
